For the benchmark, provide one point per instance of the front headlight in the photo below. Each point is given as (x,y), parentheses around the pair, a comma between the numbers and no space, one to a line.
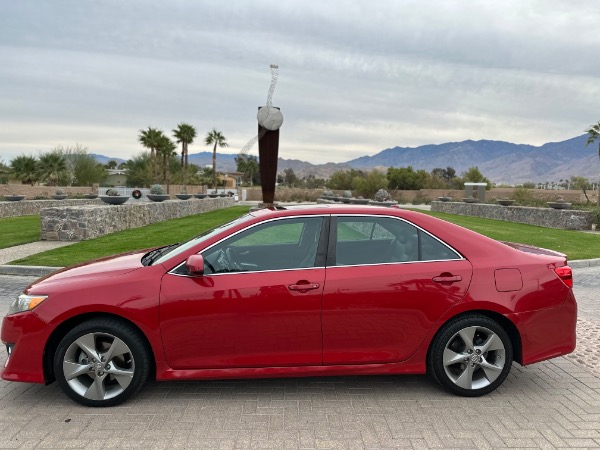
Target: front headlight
(25,303)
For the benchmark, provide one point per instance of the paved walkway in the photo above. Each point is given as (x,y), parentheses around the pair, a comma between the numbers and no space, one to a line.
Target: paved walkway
(553,404)
(21,251)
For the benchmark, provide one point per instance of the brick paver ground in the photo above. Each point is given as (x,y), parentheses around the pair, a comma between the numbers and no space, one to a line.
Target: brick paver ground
(553,404)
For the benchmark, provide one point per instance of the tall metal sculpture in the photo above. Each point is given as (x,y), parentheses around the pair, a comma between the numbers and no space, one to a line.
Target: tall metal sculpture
(269,120)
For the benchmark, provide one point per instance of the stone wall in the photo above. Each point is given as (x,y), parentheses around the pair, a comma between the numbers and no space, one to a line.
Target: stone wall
(77,223)
(33,207)
(567,219)
(284,194)
(31,192)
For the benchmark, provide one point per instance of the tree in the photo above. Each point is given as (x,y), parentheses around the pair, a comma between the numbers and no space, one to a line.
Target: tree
(150,139)
(215,138)
(473,175)
(593,136)
(583,184)
(86,170)
(342,179)
(51,167)
(82,169)
(369,185)
(248,166)
(165,149)
(4,172)
(139,171)
(184,134)
(290,178)
(312,182)
(406,178)
(441,178)
(25,169)
(112,164)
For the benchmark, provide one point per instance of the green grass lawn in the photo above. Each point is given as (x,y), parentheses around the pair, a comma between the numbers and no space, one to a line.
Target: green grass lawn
(155,235)
(19,230)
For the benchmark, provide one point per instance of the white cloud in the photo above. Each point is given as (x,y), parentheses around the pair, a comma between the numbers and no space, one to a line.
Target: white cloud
(356,77)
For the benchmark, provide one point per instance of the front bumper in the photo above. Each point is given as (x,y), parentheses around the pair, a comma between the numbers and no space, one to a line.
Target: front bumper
(26,336)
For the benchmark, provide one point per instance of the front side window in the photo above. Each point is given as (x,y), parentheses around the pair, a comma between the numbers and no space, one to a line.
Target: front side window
(383,240)
(275,245)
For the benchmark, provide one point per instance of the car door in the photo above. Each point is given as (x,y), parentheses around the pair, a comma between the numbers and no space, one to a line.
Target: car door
(258,303)
(387,283)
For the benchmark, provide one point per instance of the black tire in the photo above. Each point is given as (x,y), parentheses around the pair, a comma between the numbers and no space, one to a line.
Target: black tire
(474,368)
(114,365)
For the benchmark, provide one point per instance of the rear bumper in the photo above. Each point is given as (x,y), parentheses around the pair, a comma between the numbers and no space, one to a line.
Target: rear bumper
(547,333)
(26,334)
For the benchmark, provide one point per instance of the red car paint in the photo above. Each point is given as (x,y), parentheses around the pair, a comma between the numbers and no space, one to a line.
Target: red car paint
(336,320)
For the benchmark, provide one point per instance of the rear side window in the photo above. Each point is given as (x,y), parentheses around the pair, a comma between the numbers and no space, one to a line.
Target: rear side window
(384,240)
(434,250)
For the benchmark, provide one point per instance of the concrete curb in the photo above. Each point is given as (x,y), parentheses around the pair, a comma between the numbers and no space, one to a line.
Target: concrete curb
(27,271)
(40,271)
(584,263)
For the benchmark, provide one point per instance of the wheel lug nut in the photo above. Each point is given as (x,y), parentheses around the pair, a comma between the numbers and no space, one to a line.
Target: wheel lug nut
(108,367)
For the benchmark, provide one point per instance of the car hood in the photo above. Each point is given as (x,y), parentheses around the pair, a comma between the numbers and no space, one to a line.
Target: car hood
(100,268)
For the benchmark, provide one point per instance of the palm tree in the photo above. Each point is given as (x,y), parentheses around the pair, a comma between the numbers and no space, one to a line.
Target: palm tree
(50,167)
(593,136)
(25,169)
(215,138)
(185,134)
(150,139)
(166,148)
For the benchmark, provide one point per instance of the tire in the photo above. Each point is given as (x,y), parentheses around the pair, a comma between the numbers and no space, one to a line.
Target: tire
(471,356)
(101,362)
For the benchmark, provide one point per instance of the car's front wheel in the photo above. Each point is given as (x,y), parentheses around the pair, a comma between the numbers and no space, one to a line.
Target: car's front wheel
(101,362)
(471,356)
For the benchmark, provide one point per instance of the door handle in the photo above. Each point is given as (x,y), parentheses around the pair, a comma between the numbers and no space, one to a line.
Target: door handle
(446,279)
(303,287)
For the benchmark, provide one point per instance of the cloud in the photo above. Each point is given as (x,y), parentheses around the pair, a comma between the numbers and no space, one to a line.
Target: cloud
(355,77)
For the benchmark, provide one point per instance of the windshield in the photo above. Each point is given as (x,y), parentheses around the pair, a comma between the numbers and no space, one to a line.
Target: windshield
(200,238)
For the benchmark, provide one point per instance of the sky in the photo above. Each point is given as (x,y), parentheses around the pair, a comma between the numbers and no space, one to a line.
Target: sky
(355,77)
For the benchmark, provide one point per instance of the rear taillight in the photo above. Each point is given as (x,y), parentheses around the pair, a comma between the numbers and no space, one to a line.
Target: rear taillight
(565,274)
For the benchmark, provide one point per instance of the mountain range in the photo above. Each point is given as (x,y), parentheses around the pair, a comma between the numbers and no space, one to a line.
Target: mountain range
(501,162)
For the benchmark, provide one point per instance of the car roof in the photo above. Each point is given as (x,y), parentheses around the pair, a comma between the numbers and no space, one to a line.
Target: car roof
(310,209)
(470,243)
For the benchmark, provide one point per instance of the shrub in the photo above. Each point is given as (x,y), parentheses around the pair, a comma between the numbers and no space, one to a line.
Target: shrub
(523,197)
(382,196)
(112,193)
(421,199)
(157,189)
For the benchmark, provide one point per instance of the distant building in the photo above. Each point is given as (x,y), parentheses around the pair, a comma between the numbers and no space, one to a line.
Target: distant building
(232,180)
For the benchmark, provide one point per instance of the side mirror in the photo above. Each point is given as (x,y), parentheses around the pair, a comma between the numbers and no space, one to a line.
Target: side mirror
(195,265)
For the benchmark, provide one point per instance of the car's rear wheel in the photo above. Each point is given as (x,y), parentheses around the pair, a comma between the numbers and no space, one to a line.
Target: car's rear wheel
(101,362)
(471,356)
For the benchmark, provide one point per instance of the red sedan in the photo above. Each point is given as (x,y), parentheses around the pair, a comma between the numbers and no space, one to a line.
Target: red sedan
(302,291)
